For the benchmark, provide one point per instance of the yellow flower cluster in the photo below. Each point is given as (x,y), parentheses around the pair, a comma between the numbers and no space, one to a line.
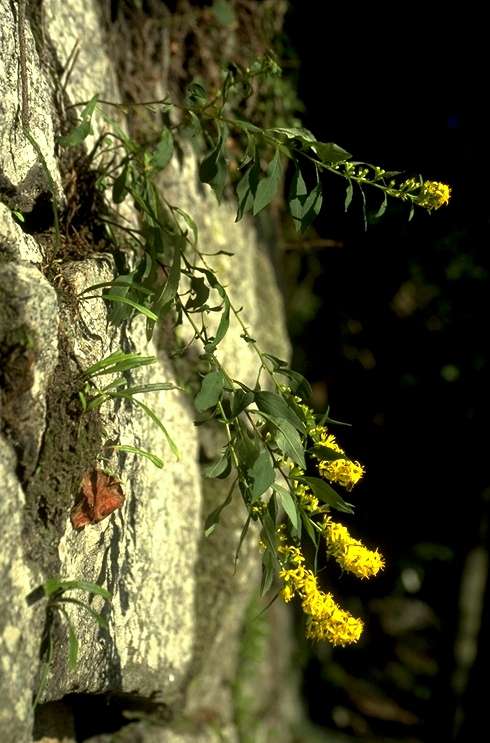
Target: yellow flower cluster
(326,620)
(344,471)
(433,195)
(306,498)
(350,553)
(428,194)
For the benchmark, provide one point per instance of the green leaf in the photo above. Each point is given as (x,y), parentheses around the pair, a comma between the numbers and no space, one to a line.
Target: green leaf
(83,129)
(349,192)
(142,453)
(53,585)
(246,189)
(324,492)
(118,362)
(303,136)
(212,169)
(269,558)
(261,474)
(212,520)
(189,222)
(210,392)
(163,151)
(149,412)
(241,400)
(167,294)
(276,362)
(289,442)
(289,506)
(141,388)
(126,300)
(243,534)
(268,571)
(195,97)
(222,329)
(364,214)
(326,453)
(124,281)
(200,293)
(119,188)
(302,206)
(171,285)
(98,618)
(310,530)
(312,206)
(275,405)
(220,468)
(77,135)
(268,185)
(382,208)
(329,153)
(297,197)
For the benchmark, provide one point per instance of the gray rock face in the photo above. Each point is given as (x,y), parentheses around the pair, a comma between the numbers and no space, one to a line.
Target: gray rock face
(171,653)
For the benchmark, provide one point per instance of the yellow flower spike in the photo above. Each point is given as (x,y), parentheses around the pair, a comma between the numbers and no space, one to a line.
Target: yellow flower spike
(350,553)
(325,619)
(433,195)
(344,471)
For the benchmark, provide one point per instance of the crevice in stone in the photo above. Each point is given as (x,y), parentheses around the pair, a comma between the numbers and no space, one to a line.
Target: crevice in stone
(71,443)
(41,217)
(80,717)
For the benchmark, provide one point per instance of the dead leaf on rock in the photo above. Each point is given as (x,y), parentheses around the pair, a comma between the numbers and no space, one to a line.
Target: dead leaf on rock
(100,495)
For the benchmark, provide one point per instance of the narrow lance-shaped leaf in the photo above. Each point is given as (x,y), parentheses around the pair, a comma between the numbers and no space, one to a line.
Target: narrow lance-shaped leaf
(312,206)
(275,405)
(329,152)
(212,169)
(163,151)
(324,492)
(349,192)
(296,197)
(142,453)
(119,189)
(149,412)
(246,189)
(289,442)
(210,392)
(220,468)
(261,474)
(83,129)
(212,520)
(268,185)
(382,208)
(223,325)
(289,506)
(111,297)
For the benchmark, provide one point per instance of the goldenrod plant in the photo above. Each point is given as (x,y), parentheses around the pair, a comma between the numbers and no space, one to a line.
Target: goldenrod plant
(283,460)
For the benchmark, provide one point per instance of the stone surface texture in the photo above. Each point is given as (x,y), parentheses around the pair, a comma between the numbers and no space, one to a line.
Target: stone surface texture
(172,650)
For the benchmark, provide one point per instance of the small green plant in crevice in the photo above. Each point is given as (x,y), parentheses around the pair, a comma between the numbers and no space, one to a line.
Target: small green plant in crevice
(282,458)
(54,591)
(92,397)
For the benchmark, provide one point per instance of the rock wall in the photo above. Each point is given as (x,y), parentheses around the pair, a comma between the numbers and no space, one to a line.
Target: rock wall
(170,663)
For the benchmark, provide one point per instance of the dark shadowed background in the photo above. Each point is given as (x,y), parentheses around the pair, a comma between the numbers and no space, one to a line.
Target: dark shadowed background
(390,325)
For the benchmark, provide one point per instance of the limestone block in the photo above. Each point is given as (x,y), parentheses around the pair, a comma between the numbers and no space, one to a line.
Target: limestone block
(22,176)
